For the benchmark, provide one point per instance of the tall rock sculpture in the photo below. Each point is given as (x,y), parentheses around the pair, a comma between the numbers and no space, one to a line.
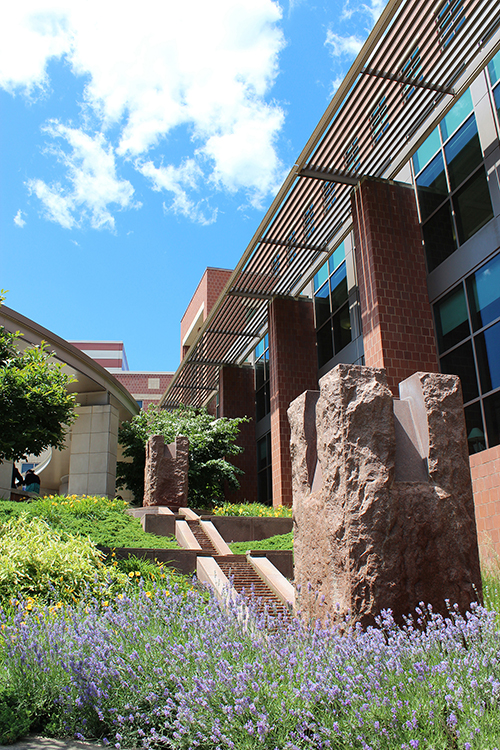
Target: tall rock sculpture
(382,496)
(166,472)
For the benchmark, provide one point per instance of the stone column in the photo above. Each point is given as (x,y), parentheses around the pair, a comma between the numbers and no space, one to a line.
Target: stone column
(93,451)
(383,507)
(293,362)
(237,399)
(166,472)
(398,332)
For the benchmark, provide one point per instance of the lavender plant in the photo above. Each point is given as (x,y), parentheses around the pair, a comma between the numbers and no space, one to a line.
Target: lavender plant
(167,670)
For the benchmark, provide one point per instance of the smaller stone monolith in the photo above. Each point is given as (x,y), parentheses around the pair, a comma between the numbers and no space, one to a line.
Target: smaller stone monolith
(166,472)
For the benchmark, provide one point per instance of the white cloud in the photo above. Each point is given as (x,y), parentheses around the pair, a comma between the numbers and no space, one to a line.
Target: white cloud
(176,180)
(343,46)
(157,66)
(18,219)
(92,184)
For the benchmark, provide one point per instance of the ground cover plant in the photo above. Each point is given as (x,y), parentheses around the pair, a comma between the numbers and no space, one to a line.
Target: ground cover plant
(251,509)
(164,669)
(278,542)
(101,519)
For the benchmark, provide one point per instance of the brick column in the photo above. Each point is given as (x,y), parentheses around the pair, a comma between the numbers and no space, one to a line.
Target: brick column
(293,363)
(398,331)
(237,399)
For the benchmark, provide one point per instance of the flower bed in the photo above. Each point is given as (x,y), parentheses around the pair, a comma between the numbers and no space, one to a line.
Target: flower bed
(165,669)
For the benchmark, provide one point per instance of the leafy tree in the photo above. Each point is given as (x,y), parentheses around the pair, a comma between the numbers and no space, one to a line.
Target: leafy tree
(35,406)
(211,442)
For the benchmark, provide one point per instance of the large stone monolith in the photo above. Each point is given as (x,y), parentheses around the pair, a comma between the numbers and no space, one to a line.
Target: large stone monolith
(382,496)
(166,472)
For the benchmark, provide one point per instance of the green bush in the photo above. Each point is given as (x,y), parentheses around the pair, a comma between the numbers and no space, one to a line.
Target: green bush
(102,519)
(15,719)
(252,509)
(39,563)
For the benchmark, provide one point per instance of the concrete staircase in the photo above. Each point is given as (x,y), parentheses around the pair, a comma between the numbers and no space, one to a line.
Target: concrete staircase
(232,577)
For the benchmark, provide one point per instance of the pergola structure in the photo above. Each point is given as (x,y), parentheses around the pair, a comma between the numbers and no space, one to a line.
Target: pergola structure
(414,66)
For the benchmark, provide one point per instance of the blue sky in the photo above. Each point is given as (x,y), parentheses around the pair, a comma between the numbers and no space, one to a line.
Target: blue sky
(143,142)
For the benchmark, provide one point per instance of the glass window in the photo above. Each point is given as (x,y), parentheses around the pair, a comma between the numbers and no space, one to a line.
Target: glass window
(463,153)
(337,257)
(483,290)
(460,361)
(432,187)
(321,277)
(325,344)
(439,237)
(341,328)
(472,205)
(475,428)
(338,283)
(264,471)
(426,151)
(322,305)
(492,417)
(456,115)
(452,324)
(494,69)
(488,357)
(496,95)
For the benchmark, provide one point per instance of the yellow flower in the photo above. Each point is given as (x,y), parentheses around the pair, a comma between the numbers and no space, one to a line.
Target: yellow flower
(167,593)
(131,574)
(137,573)
(105,604)
(148,594)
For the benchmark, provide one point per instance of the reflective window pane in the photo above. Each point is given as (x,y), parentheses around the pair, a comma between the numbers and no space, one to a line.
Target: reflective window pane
(494,69)
(463,153)
(321,277)
(492,415)
(431,187)
(456,115)
(337,257)
(452,324)
(483,289)
(325,344)
(341,328)
(496,95)
(322,305)
(460,362)
(475,428)
(338,283)
(426,151)
(439,237)
(472,206)
(488,357)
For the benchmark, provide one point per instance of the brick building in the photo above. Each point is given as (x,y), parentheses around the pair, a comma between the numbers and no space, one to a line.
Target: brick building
(145,387)
(381,248)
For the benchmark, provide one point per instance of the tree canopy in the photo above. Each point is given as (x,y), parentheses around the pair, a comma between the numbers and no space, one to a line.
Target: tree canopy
(211,442)
(35,406)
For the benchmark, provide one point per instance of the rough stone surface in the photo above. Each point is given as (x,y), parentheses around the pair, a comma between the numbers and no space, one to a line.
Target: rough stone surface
(363,541)
(166,472)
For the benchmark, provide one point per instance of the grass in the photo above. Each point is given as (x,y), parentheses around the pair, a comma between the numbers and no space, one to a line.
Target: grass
(278,542)
(101,519)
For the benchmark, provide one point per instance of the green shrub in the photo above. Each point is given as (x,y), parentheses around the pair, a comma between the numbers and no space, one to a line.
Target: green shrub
(40,563)
(15,719)
(252,509)
(102,519)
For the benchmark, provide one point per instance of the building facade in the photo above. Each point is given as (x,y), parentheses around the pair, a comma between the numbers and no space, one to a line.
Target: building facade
(145,387)
(381,248)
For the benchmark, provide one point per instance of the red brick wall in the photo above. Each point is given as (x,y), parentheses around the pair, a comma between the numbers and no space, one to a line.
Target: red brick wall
(398,332)
(485,472)
(237,399)
(294,369)
(208,291)
(136,384)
